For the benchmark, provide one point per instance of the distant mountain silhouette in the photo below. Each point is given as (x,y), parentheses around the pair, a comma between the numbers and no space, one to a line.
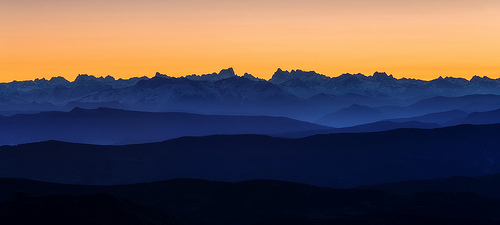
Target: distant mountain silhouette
(369,127)
(346,100)
(223,74)
(457,117)
(488,117)
(469,103)
(352,116)
(309,83)
(303,95)
(113,126)
(385,126)
(438,118)
(335,160)
(248,202)
(436,106)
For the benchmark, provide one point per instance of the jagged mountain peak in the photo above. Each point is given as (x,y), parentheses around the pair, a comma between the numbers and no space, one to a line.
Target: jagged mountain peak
(350,79)
(251,77)
(456,79)
(159,75)
(109,78)
(382,75)
(223,74)
(40,80)
(476,78)
(85,78)
(58,80)
(162,92)
(349,75)
(227,72)
(281,76)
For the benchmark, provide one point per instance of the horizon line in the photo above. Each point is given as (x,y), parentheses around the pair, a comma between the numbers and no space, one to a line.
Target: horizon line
(231,68)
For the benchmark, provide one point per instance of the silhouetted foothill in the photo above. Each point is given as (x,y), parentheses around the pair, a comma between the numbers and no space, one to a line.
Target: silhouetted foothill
(95,209)
(335,160)
(196,201)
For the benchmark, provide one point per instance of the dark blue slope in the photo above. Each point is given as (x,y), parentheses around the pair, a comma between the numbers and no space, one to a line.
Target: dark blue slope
(336,160)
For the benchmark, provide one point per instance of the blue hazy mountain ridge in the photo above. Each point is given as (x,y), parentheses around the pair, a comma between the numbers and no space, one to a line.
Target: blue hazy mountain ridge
(364,128)
(438,118)
(351,116)
(433,110)
(114,126)
(467,103)
(231,96)
(303,95)
(427,121)
(333,160)
(307,84)
(489,117)
(223,74)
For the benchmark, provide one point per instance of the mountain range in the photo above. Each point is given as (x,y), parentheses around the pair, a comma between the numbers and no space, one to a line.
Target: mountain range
(296,94)
(107,126)
(225,149)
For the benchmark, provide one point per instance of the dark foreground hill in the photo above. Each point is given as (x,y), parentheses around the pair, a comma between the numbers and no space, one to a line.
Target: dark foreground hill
(95,209)
(115,126)
(249,202)
(488,185)
(334,160)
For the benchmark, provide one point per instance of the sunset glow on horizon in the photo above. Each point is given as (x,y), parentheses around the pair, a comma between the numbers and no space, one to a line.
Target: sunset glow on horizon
(415,39)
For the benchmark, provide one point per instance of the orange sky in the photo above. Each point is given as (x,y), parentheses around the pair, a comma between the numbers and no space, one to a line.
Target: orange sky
(407,38)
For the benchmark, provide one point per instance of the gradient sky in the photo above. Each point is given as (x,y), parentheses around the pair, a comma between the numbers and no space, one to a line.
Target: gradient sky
(422,39)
